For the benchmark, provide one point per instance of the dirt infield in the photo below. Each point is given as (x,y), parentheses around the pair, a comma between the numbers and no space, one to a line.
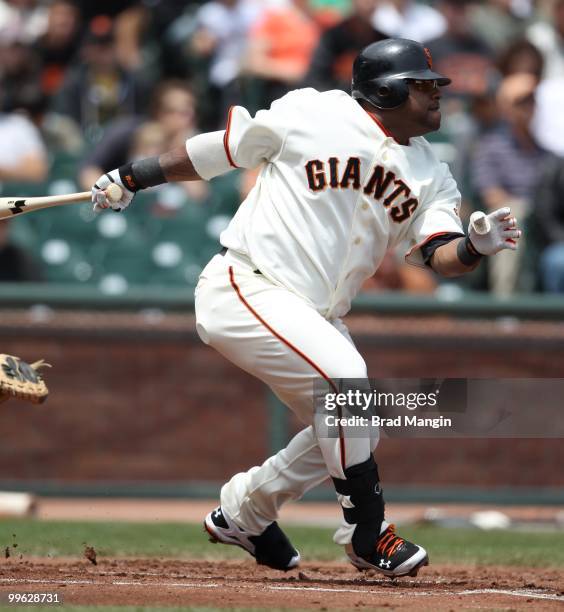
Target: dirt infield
(320,586)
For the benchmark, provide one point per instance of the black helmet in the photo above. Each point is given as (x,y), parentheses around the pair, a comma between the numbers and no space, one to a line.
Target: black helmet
(381,71)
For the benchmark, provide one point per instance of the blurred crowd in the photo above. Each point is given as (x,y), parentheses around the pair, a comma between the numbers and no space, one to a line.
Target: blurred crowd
(107,82)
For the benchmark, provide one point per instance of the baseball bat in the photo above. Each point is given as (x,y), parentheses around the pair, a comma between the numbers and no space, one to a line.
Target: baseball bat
(480,222)
(10,207)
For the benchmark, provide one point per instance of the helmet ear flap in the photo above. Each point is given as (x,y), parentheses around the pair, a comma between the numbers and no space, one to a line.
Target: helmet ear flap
(382,93)
(383,90)
(389,93)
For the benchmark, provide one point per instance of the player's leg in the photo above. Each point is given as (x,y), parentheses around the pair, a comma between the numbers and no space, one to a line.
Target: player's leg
(250,501)
(369,540)
(276,336)
(282,340)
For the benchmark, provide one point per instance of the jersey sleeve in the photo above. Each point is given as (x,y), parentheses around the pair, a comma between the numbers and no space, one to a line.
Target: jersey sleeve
(436,217)
(246,142)
(251,141)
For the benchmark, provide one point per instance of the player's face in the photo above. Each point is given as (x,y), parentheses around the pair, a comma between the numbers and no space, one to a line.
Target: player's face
(422,110)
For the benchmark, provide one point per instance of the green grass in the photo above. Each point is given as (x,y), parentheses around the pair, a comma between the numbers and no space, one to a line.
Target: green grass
(182,541)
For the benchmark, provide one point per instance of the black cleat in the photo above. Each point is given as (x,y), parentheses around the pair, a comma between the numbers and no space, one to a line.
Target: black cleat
(393,556)
(271,547)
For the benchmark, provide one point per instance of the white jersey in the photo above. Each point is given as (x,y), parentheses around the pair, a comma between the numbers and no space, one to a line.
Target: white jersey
(335,192)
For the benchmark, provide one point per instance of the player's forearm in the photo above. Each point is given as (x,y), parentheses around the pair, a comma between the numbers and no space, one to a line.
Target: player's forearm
(174,165)
(177,166)
(454,259)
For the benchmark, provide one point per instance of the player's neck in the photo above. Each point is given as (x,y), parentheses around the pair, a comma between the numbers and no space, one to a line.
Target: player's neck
(387,125)
(395,131)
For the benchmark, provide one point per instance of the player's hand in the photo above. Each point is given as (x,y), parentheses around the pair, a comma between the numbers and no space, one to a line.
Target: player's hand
(492,233)
(101,199)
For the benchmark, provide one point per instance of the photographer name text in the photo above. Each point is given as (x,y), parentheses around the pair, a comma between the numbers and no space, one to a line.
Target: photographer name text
(407,420)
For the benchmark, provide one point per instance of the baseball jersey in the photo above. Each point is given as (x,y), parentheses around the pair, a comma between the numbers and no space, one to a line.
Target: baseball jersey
(334,193)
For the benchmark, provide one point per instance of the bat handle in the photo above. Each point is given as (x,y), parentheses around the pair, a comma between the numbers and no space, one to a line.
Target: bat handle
(480,222)
(114,192)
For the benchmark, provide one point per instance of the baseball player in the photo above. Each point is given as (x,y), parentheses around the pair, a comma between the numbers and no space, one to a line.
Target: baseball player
(343,178)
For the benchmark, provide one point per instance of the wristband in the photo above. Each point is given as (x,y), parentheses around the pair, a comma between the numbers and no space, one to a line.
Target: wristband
(467,253)
(142,174)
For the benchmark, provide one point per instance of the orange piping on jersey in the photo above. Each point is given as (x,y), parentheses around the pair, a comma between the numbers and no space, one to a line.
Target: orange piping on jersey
(297,351)
(424,242)
(226,140)
(380,125)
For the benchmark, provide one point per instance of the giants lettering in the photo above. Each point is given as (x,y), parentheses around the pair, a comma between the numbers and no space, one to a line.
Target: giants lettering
(351,174)
(381,183)
(401,188)
(316,175)
(377,183)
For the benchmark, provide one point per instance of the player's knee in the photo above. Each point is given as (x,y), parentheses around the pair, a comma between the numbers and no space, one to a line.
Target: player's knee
(207,324)
(201,330)
(211,332)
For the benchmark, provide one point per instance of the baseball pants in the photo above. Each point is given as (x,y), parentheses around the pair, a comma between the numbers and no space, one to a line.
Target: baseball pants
(281,339)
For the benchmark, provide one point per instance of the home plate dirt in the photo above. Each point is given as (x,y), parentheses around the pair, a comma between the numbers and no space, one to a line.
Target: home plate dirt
(321,586)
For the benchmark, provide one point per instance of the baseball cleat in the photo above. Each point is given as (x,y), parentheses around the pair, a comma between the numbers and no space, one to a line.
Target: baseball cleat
(271,547)
(393,556)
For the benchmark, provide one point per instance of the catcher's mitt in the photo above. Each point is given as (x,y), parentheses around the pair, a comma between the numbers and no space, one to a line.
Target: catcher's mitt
(22,380)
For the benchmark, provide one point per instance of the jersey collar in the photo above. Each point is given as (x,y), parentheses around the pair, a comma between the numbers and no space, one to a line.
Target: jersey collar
(382,126)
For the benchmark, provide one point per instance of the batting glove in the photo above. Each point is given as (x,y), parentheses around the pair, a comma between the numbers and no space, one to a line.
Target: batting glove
(490,234)
(100,199)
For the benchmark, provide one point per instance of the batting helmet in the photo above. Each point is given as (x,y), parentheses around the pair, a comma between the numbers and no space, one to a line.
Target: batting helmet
(382,71)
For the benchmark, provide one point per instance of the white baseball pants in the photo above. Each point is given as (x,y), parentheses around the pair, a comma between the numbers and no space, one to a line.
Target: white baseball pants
(278,337)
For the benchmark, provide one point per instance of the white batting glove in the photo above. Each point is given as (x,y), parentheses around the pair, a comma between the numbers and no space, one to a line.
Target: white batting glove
(490,234)
(101,200)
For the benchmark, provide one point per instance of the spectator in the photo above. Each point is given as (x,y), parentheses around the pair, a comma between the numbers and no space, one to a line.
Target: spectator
(112,8)
(280,47)
(331,65)
(548,37)
(21,90)
(408,19)
(22,20)
(458,52)
(549,221)
(97,89)
(469,62)
(58,46)
(19,76)
(172,120)
(501,21)
(548,122)
(16,265)
(129,19)
(170,25)
(521,56)
(506,164)
(220,36)
(24,157)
